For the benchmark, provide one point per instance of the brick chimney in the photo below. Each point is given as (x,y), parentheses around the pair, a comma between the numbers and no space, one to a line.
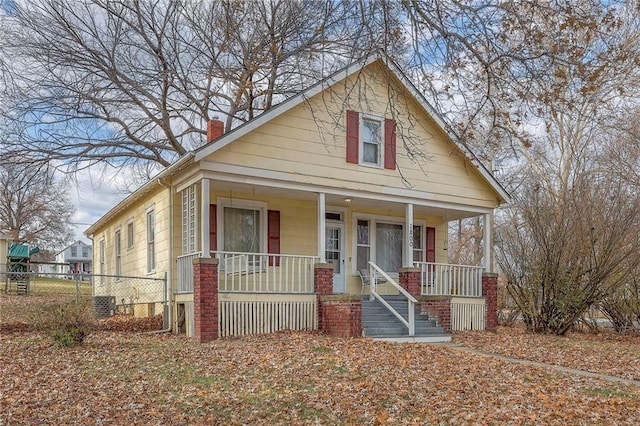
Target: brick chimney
(215,129)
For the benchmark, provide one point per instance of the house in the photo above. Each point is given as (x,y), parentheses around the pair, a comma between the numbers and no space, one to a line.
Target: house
(5,242)
(75,259)
(273,224)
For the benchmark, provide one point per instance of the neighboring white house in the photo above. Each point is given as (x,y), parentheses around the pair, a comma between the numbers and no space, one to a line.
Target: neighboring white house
(75,259)
(4,250)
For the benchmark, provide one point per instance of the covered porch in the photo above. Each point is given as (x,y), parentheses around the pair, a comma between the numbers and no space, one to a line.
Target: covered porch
(292,256)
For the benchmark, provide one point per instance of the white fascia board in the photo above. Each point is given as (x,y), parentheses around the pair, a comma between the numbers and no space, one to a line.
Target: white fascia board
(266,178)
(285,106)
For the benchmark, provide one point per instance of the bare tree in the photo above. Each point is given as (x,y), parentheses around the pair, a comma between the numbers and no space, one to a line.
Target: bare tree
(563,251)
(136,81)
(34,206)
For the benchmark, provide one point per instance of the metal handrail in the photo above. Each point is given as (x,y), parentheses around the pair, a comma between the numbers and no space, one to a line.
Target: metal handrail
(411,301)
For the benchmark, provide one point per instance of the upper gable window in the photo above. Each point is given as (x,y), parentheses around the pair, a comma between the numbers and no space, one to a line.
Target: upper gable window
(371,152)
(371,141)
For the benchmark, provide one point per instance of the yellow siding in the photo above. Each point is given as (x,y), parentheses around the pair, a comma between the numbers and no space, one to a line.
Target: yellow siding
(298,221)
(134,259)
(299,229)
(309,142)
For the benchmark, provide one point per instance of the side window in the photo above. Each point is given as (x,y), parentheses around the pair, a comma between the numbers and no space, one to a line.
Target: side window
(151,241)
(118,252)
(102,257)
(130,234)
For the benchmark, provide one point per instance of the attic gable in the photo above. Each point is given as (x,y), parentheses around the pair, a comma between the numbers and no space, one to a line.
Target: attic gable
(327,88)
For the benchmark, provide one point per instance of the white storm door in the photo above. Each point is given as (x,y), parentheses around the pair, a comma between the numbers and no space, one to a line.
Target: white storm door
(334,252)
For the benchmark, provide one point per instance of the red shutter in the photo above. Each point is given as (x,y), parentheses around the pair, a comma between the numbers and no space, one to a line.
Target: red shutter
(273,235)
(431,244)
(353,130)
(389,144)
(213,227)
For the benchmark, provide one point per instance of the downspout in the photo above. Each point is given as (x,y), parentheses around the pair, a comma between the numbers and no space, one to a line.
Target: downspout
(167,274)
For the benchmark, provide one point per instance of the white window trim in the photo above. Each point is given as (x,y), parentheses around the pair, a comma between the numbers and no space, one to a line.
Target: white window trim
(373,220)
(117,234)
(262,206)
(102,255)
(151,209)
(337,209)
(371,117)
(133,235)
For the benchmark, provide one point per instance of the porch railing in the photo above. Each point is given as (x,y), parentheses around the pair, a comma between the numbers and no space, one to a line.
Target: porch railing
(265,273)
(409,322)
(185,272)
(442,279)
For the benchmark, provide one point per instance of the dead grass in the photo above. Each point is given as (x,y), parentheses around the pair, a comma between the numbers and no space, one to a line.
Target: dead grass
(119,378)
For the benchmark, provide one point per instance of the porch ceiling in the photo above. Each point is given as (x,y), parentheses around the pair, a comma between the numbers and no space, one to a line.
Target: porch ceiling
(345,199)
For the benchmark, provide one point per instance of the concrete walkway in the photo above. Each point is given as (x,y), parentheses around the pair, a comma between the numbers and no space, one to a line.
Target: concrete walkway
(554,367)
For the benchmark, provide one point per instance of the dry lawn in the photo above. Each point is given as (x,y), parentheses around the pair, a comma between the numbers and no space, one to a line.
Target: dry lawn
(307,378)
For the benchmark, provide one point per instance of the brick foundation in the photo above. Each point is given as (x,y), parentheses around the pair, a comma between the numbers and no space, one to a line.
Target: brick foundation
(409,279)
(490,294)
(338,315)
(342,315)
(439,306)
(205,299)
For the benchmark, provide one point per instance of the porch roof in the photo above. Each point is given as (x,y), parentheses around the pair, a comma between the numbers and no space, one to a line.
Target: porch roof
(339,197)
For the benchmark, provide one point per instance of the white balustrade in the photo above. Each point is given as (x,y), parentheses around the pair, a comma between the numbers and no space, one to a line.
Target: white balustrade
(185,272)
(265,273)
(443,279)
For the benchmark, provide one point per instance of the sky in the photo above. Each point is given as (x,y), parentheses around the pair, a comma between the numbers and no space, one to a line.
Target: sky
(93,194)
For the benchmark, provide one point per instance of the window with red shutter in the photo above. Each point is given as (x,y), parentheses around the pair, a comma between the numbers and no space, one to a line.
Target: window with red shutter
(371,140)
(431,244)
(273,236)
(353,139)
(213,227)
(389,144)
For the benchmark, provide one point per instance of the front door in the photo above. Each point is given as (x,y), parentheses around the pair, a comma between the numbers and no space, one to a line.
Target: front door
(335,254)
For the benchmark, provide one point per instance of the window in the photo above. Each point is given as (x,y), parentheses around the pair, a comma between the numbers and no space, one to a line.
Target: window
(85,251)
(102,257)
(371,142)
(381,240)
(418,247)
(389,246)
(118,253)
(242,229)
(363,244)
(130,234)
(74,251)
(151,241)
(189,220)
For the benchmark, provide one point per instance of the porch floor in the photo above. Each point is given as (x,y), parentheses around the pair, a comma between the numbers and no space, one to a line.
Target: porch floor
(379,323)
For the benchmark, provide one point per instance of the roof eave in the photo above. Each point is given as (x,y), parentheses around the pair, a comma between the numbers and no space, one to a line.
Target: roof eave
(144,189)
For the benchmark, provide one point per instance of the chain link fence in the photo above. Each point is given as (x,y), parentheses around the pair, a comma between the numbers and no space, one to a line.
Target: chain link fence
(109,295)
(137,296)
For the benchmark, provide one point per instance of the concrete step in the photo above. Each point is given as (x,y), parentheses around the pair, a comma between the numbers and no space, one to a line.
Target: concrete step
(379,323)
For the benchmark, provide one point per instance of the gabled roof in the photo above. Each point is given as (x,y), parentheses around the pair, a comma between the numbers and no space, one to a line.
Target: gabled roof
(206,150)
(341,75)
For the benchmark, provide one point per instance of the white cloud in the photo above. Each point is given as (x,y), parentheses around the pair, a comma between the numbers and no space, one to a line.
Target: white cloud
(94,192)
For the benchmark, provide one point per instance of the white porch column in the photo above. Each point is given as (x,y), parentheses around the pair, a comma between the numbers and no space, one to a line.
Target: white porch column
(322,243)
(205,198)
(488,244)
(408,236)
